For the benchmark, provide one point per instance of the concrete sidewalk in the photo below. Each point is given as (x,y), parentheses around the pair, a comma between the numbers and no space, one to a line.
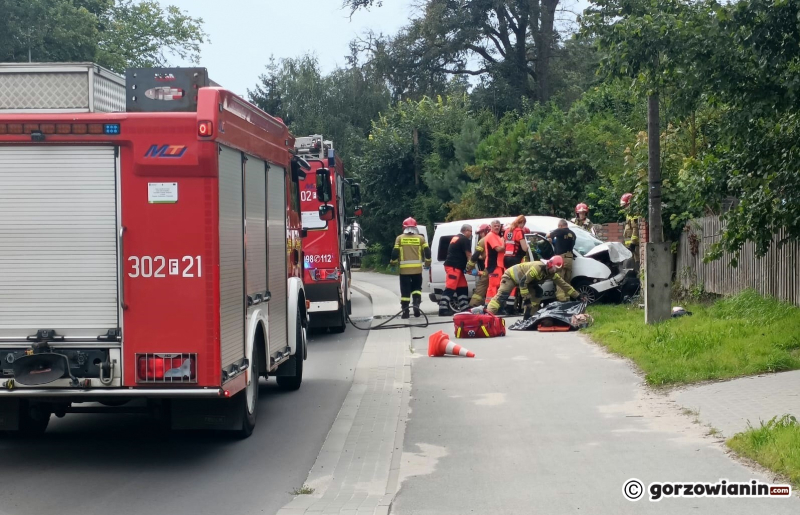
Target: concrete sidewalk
(549,423)
(357,469)
(730,406)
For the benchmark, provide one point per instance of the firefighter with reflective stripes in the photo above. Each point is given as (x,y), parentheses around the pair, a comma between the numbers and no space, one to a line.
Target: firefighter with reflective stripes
(529,277)
(582,218)
(477,267)
(412,253)
(495,254)
(630,232)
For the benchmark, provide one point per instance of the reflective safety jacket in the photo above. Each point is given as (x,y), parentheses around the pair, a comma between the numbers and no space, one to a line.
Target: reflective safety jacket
(526,275)
(411,251)
(584,224)
(631,230)
(477,256)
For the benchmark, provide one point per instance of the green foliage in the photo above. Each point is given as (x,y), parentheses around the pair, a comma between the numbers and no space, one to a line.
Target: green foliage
(115,34)
(775,444)
(742,335)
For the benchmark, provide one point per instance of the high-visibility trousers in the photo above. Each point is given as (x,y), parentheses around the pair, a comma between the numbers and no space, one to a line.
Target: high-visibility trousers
(494,282)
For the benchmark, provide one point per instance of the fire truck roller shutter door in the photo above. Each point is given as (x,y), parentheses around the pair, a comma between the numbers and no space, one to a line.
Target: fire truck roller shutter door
(231,257)
(255,227)
(58,240)
(276,257)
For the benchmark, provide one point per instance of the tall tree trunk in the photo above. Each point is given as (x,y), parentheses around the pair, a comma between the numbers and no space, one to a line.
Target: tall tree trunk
(544,46)
(654,169)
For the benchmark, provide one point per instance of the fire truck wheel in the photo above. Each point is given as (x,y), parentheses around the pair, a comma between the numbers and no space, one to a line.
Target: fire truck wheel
(342,319)
(249,398)
(290,383)
(33,420)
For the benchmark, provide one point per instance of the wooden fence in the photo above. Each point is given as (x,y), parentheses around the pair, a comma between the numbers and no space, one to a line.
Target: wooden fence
(777,274)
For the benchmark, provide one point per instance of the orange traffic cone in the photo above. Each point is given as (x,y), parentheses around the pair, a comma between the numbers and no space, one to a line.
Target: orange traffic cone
(439,344)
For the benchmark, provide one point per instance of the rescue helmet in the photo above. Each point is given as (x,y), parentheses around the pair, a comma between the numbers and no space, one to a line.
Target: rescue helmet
(581,208)
(555,263)
(625,200)
(484,228)
(409,222)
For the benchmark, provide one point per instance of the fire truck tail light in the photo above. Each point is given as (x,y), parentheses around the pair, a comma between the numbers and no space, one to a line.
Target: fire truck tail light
(96,128)
(205,129)
(166,368)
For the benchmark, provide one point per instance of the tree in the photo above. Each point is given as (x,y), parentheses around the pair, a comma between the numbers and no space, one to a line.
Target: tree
(115,34)
(511,40)
(144,34)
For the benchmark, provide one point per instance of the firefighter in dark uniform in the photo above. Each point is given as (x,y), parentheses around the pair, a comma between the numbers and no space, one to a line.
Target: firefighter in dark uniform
(630,232)
(529,277)
(456,292)
(477,267)
(412,253)
(563,240)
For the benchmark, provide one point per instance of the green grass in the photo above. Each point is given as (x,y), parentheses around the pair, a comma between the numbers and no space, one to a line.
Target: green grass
(741,335)
(775,445)
(303,490)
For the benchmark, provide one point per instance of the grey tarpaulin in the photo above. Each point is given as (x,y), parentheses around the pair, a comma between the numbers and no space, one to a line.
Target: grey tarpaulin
(560,313)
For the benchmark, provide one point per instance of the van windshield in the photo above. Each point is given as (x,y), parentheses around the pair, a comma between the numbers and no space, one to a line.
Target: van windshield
(584,241)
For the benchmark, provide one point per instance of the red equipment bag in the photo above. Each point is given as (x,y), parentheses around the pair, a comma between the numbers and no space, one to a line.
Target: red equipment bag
(478,325)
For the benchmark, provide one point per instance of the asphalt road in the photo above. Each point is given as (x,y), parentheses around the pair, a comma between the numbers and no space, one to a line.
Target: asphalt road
(100,464)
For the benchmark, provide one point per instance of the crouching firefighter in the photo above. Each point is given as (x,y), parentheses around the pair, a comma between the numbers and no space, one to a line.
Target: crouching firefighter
(529,277)
(411,251)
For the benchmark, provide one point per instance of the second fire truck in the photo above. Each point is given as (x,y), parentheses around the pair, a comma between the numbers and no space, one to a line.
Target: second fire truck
(329,245)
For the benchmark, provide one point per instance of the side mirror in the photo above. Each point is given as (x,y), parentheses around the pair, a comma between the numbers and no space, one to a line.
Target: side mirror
(299,167)
(359,211)
(356,189)
(324,185)
(326,213)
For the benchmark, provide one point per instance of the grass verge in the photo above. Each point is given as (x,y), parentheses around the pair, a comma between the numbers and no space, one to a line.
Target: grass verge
(741,335)
(775,445)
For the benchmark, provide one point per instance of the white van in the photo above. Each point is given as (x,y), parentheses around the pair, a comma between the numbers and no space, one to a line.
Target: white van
(596,270)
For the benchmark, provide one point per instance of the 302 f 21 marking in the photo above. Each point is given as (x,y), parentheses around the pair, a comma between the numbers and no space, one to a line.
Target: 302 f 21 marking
(159,267)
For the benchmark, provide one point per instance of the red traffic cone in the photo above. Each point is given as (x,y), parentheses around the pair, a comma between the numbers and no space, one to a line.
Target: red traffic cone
(439,344)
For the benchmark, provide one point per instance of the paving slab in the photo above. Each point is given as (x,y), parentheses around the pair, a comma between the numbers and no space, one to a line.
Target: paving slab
(731,406)
(356,470)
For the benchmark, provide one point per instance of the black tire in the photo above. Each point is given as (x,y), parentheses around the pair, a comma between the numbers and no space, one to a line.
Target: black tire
(250,414)
(584,287)
(32,425)
(291,383)
(342,320)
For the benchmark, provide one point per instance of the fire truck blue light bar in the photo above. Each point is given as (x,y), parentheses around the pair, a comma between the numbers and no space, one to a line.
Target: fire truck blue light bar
(111,129)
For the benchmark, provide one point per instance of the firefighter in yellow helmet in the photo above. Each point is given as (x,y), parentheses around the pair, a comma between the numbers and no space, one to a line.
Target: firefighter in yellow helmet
(529,277)
(630,232)
(412,253)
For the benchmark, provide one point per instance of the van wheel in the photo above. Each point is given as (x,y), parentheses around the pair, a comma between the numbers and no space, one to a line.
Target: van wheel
(584,287)
(249,398)
(291,383)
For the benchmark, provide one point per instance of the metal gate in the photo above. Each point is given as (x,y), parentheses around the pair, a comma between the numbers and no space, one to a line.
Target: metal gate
(58,240)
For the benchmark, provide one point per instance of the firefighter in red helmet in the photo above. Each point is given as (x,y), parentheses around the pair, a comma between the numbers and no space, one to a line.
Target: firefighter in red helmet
(630,232)
(582,218)
(412,253)
(529,277)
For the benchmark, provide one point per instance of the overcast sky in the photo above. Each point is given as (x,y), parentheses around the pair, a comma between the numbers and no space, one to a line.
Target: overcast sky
(244,33)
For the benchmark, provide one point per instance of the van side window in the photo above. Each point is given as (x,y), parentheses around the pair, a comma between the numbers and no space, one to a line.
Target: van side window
(444,243)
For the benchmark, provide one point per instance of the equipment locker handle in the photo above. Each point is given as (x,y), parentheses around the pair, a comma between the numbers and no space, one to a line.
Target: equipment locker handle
(121,267)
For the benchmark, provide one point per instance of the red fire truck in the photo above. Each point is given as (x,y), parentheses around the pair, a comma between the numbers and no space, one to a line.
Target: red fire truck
(150,254)
(328,244)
